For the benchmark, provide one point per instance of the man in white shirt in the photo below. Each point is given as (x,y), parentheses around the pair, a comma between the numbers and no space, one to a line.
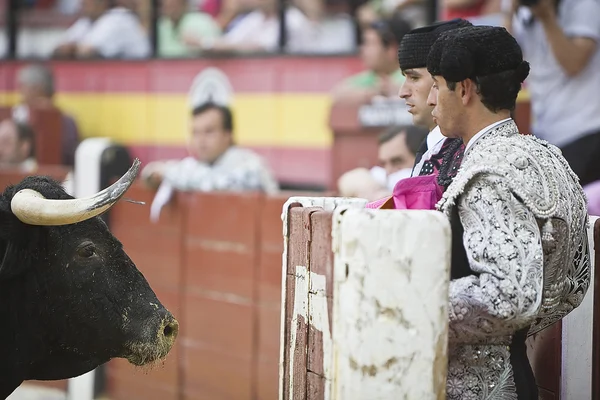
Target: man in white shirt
(215,162)
(104,30)
(258,31)
(560,40)
(412,57)
(520,257)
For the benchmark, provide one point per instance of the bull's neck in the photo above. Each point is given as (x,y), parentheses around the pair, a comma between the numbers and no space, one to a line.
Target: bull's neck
(19,336)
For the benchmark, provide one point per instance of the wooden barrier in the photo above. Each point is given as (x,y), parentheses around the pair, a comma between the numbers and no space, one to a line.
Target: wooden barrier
(14,176)
(157,251)
(302,377)
(319,355)
(307,243)
(47,124)
(213,259)
(353,145)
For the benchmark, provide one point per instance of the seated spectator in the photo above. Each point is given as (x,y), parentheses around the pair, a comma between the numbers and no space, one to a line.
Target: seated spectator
(215,162)
(180,32)
(379,53)
(36,87)
(258,30)
(17,145)
(414,11)
(469,9)
(398,146)
(105,30)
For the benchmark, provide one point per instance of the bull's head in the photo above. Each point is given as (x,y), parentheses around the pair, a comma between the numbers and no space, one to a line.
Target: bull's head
(70,297)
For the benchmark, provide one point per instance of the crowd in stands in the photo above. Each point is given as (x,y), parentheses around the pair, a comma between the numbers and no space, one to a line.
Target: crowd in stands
(190,28)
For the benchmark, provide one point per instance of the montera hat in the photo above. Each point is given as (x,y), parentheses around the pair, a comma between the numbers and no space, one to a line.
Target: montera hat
(415,45)
(476,51)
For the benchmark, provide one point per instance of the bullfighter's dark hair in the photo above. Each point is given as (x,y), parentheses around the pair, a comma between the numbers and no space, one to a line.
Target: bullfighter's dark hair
(226,115)
(489,56)
(414,135)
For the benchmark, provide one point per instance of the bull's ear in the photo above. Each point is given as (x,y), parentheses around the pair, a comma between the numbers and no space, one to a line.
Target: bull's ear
(21,245)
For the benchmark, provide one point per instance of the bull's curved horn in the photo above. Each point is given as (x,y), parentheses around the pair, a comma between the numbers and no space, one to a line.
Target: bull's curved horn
(30,207)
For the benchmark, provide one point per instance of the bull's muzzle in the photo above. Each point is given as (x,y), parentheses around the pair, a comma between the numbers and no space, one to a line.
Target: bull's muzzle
(156,347)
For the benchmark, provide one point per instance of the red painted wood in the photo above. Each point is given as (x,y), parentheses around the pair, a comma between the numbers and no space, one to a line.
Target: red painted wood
(251,74)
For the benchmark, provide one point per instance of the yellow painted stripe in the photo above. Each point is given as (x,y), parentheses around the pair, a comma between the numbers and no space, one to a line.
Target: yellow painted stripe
(162,119)
(284,120)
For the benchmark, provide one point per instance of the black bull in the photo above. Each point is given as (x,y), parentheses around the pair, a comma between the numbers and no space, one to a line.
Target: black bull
(70,297)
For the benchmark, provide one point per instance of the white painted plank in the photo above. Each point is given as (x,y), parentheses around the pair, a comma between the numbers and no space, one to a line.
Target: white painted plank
(390,315)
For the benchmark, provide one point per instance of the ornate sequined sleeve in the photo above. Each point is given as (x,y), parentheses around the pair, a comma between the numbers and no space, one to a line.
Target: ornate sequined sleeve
(503,244)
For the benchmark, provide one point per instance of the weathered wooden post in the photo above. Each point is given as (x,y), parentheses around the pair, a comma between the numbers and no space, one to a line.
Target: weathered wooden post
(365,313)
(306,314)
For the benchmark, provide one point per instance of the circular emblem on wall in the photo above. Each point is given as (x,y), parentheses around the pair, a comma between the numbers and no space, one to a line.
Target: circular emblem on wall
(211,85)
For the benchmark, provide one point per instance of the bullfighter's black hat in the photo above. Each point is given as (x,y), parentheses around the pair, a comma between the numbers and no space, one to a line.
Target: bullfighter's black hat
(415,45)
(476,51)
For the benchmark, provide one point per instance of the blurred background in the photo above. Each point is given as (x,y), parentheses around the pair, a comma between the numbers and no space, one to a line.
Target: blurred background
(307,88)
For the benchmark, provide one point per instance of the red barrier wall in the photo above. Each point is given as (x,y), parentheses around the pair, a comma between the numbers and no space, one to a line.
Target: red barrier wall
(215,261)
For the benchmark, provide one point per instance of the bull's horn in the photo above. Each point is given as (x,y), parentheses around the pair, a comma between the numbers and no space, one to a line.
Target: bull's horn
(32,208)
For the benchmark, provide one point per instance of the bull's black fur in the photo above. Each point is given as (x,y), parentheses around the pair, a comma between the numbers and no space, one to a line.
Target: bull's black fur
(70,298)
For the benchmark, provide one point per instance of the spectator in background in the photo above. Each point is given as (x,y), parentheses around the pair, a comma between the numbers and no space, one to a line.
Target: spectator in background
(379,52)
(181,32)
(215,162)
(468,9)
(68,6)
(258,30)
(17,146)
(106,29)
(36,87)
(414,11)
(397,149)
(560,40)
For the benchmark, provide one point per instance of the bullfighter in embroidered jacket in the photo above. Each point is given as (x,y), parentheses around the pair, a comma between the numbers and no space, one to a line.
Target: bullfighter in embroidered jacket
(520,257)
(437,154)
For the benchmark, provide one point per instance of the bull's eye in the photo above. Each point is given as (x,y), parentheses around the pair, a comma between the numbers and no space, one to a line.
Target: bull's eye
(86,250)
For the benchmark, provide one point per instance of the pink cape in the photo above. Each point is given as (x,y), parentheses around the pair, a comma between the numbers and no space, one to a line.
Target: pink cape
(415,193)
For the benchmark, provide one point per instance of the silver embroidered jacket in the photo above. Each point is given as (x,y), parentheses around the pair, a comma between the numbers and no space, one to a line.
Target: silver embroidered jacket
(524,217)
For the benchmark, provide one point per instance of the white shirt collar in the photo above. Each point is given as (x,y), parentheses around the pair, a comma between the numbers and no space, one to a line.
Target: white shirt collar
(483,132)
(434,137)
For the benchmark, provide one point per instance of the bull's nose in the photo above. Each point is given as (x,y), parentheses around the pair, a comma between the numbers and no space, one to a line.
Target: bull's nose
(169,329)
